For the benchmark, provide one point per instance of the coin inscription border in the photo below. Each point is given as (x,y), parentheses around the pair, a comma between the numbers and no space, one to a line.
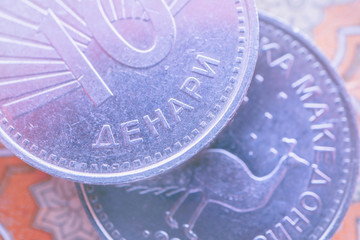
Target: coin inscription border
(321,229)
(178,145)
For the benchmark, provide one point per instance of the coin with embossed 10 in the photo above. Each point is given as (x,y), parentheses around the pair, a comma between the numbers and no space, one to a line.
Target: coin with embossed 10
(117,91)
(285,167)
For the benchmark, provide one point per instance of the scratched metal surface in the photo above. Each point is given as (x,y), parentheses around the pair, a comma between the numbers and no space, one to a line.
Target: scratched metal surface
(285,168)
(116,91)
(335,32)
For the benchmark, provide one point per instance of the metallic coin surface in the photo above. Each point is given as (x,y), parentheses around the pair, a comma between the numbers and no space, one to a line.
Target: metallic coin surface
(110,91)
(284,169)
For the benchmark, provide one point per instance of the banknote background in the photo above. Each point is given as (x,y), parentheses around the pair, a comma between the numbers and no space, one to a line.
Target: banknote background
(35,206)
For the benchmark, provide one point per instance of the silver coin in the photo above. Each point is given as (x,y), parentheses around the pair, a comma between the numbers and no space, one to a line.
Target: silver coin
(116,91)
(284,169)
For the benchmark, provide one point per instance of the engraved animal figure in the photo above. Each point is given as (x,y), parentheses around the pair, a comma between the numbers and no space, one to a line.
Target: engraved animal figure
(224,179)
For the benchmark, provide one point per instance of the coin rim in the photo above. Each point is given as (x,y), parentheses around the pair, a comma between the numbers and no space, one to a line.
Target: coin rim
(168,163)
(338,81)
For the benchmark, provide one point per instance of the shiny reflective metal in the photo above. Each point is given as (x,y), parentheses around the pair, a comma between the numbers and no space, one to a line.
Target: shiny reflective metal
(115,91)
(284,169)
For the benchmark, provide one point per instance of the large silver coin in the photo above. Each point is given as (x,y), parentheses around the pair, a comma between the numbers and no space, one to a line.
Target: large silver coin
(284,169)
(110,91)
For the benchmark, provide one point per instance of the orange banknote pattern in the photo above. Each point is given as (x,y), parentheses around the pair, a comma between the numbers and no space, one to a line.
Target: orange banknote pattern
(339,37)
(35,206)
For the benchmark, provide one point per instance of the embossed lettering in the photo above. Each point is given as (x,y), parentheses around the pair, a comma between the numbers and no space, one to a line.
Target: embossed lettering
(190,87)
(177,107)
(297,219)
(319,109)
(310,201)
(285,62)
(279,234)
(325,133)
(106,138)
(325,154)
(80,66)
(205,63)
(305,87)
(130,130)
(111,41)
(160,119)
(318,177)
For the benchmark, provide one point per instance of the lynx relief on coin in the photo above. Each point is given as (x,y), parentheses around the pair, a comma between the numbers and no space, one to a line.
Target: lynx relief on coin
(285,167)
(110,91)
